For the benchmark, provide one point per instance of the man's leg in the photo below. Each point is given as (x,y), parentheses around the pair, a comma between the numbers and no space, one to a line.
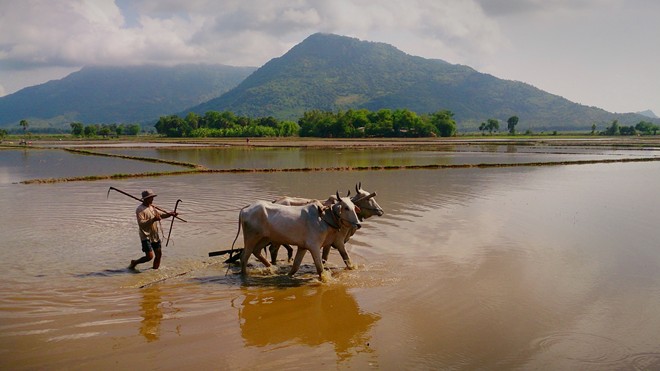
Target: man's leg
(158,253)
(148,255)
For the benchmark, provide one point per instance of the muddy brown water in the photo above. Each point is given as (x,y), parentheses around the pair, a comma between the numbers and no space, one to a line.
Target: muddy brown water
(495,268)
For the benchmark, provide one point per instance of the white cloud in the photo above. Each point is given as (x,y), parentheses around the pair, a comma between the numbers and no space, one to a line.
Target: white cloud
(573,48)
(238,32)
(549,8)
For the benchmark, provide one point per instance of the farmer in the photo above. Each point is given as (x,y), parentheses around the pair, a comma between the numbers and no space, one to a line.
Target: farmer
(148,219)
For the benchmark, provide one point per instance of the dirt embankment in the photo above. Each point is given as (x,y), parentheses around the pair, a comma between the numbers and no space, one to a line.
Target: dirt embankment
(588,141)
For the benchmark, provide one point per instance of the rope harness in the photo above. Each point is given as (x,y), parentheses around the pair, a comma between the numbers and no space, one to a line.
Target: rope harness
(336,218)
(335,221)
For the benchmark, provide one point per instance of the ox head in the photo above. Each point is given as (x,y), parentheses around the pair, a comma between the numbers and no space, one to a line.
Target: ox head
(346,211)
(367,203)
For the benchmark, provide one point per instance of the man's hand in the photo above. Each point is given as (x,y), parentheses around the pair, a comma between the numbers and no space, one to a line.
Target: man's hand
(167,215)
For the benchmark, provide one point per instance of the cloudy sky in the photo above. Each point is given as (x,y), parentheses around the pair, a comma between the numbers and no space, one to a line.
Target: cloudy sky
(603,53)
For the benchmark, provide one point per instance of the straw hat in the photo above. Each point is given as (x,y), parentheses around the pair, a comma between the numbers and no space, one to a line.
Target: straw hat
(148,193)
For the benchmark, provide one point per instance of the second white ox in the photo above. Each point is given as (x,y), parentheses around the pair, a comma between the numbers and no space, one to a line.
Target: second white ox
(366,208)
(308,227)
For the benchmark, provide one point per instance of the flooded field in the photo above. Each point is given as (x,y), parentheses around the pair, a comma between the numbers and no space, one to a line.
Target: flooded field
(292,158)
(20,165)
(533,267)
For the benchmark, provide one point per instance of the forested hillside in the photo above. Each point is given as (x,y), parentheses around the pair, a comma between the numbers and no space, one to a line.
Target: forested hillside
(325,72)
(331,72)
(118,94)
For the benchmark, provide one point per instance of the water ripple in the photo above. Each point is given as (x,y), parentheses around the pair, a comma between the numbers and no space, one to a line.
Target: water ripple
(645,361)
(585,348)
(83,335)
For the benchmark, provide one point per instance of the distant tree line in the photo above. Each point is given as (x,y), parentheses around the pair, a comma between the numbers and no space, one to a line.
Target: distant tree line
(315,123)
(642,128)
(359,123)
(224,124)
(493,125)
(387,123)
(80,130)
(105,130)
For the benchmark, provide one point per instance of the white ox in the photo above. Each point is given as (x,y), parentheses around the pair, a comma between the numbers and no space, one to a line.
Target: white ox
(307,227)
(367,207)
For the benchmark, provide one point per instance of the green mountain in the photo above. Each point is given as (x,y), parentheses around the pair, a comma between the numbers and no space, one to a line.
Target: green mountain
(325,71)
(331,72)
(118,94)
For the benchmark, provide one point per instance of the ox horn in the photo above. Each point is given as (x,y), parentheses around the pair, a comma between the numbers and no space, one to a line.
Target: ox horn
(338,198)
(363,198)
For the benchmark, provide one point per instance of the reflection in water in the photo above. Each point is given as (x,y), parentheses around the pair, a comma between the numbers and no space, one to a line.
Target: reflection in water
(501,268)
(19,165)
(281,158)
(306,315)
(152,313)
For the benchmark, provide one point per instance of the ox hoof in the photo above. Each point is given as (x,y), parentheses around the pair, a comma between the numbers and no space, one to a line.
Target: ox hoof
(325,276)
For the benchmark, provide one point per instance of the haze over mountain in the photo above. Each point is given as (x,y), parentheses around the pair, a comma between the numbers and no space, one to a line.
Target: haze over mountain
(118,94)
(331,72)
(325,72)
(648,113)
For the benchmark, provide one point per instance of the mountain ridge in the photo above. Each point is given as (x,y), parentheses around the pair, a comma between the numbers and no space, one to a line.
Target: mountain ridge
(332,72)
(323,72)
(127,94)
(648,113)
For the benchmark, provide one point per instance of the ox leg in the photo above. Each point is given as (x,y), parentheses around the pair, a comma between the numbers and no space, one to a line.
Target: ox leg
(289,252)
(245,255)
(344,255)
(274,248)
(316,255)
(326,253)
(258,255)
(250,240)
(253,247)
(342,252)
(296,262)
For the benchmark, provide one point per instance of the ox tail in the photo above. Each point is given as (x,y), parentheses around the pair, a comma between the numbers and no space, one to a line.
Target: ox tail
(231,252)
(237,232)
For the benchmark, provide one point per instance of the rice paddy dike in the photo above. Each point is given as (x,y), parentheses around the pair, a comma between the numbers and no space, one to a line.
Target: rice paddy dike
(445,145)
